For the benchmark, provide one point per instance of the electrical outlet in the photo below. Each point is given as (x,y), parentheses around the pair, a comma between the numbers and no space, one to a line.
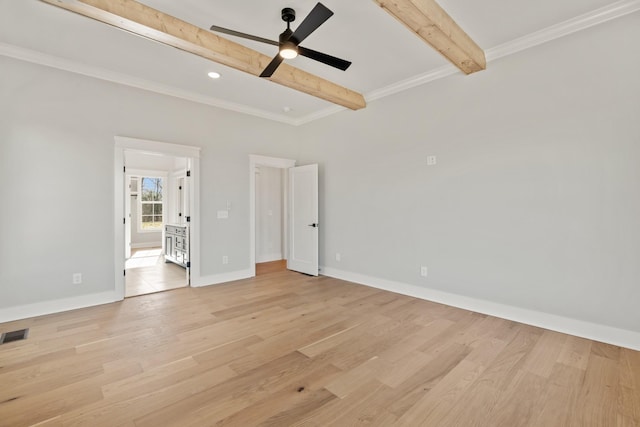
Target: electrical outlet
(424,271)
(77,278)
(431,160)
(225,259)
(338,257)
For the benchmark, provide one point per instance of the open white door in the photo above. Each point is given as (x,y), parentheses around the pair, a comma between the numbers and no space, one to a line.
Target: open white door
(303,251)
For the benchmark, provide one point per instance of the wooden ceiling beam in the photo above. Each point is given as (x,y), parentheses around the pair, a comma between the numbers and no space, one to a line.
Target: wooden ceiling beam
(145,21)
(430,22)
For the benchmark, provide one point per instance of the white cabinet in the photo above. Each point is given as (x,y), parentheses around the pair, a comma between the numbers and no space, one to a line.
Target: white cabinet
(176,240)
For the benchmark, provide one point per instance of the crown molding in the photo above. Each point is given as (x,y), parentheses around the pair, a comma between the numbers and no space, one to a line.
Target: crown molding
(76,67)
(570,26)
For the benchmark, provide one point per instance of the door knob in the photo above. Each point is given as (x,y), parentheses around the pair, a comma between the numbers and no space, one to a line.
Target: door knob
(314,225)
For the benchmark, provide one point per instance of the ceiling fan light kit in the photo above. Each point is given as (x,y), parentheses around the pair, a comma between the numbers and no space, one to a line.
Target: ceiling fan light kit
(288,50)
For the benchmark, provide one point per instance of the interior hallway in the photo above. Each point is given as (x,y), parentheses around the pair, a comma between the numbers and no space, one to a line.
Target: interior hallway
(147,272)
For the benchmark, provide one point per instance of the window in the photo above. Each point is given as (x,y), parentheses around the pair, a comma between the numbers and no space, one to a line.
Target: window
(150,204)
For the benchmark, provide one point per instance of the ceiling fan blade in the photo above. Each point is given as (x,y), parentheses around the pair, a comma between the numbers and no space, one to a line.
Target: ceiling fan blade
(318,15)
(271,68)
(324,58)
(243,35)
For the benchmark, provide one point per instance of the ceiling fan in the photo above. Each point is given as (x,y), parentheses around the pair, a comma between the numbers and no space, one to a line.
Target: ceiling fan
(289,41)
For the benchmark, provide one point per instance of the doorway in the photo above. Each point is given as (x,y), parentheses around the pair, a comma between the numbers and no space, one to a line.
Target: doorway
(270,256)
(268,202)
(154,185)
(156,195)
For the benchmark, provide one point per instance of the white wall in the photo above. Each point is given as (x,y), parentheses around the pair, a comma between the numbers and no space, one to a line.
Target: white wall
(534,201)
(269,214)
(57,149)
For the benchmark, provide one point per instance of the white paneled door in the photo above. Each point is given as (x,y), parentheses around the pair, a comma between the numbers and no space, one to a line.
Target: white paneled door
(303,255)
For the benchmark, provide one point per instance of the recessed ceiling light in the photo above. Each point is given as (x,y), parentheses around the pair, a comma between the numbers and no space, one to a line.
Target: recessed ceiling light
(286,109)
(214,75)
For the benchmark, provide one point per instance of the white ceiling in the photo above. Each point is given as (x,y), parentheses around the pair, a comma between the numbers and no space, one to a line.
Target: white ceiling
(386,57)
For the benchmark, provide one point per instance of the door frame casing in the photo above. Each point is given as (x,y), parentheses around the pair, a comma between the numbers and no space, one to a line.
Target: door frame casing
(272,162)
(192,154)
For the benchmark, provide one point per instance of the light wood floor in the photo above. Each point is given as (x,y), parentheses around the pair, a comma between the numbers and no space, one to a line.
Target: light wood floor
(286,349)
(147,272)
(270,267)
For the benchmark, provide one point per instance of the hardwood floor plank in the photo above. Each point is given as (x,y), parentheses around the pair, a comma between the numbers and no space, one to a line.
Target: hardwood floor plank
(561,396)
(545,353)
(575,352)
(435,405)
(629,371)
(520,401)
(599,392)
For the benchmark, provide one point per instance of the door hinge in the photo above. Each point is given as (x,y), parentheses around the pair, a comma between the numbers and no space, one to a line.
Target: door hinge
(124,169)
(124,272)
(188,264)
(188,173)
(179,213)
(124,220)
(179,187)
(187,218)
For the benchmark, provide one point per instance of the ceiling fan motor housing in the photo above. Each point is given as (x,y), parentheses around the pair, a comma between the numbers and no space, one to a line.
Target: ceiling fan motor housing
(288,15)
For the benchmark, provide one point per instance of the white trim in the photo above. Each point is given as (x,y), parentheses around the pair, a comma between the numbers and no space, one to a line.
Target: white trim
(412,82)
(192,154)
(147,173)
(274,162)
(567,325)
(570,26)
(76,67)
(581,22)
(325,112)
(119,193)
(56,306)
(147,146)
(146,244)
(275,256)
(216,279)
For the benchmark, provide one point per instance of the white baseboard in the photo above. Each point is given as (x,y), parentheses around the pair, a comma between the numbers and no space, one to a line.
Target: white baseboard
(216,279)
(146,245)
(56,306)
(580,328)
(276,256)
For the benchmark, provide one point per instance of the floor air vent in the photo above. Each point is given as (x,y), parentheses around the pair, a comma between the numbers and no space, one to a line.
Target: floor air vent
(14,336)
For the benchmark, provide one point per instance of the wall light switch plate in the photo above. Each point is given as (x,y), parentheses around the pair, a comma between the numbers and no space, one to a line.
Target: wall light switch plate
(431,160)
(424,271)
(223,214)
